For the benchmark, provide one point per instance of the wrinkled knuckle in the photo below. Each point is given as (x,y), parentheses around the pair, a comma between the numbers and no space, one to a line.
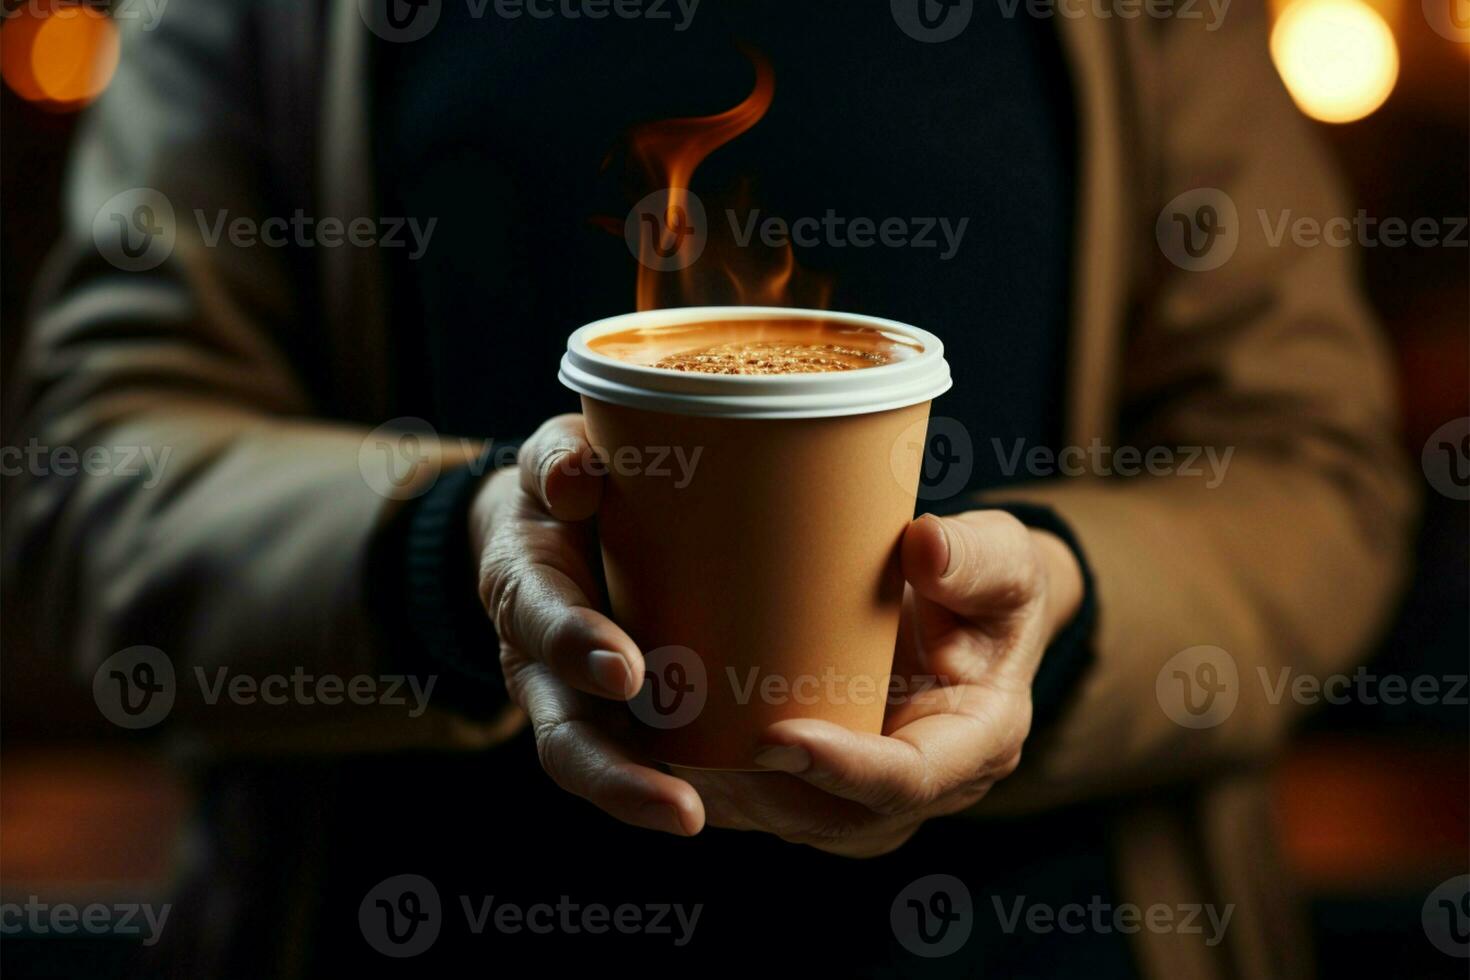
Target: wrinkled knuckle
(866,848)
(1007,764)
(1008,525)
(897,796)
(553,742)
(890,843)
(830,830)
(1014,540)
(512,668)
(500,586)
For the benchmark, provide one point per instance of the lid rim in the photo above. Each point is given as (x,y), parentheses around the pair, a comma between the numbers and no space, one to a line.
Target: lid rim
(909,381)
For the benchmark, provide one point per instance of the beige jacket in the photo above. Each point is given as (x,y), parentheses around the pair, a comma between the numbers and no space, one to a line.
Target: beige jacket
(263,382)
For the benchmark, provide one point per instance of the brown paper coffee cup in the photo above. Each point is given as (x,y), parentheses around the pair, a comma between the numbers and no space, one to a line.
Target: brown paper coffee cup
(749,528)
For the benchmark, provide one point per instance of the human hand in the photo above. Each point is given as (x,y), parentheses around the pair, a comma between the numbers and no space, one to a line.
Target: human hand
(985,595)
(566,664)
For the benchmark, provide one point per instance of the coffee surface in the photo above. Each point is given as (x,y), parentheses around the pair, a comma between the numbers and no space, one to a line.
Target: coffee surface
(771,357)
(757,347)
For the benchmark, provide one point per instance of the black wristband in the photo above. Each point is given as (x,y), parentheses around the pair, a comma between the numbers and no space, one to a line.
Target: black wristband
(1070,652)
(424,582)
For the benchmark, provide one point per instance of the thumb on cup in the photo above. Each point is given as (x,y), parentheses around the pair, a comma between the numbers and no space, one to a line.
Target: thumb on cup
(972,564)
(561,469)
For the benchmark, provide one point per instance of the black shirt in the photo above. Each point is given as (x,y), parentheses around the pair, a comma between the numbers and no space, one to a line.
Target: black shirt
(499,129)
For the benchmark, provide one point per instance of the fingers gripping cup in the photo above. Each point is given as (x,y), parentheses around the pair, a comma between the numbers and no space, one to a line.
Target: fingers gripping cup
(752,511)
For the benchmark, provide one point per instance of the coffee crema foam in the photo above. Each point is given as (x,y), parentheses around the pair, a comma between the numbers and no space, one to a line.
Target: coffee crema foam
(757,347)
(771,357)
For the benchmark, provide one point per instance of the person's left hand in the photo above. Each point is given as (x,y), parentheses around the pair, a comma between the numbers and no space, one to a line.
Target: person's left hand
(985,595)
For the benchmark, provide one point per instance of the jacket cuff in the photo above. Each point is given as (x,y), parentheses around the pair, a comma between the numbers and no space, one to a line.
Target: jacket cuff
(422,575)
(1070,652)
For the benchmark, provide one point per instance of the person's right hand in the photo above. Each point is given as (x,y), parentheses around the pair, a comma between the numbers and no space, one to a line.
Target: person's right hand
(566,664)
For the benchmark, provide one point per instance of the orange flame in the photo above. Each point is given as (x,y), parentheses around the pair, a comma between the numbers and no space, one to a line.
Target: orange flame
(667,152)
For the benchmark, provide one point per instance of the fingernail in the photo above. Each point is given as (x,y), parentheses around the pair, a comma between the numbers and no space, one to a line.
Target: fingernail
(948,545)
(553,458)
(610,672)
(784,758)
(660,816)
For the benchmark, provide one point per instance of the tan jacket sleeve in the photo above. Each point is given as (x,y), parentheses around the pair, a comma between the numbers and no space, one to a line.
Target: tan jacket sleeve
(1292,563)
(242,545)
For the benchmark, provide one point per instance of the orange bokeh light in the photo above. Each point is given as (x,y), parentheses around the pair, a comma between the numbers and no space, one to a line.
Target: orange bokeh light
(17,38)
(60,56)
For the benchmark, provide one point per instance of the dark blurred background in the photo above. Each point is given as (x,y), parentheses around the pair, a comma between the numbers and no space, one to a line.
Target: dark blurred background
(1373,800)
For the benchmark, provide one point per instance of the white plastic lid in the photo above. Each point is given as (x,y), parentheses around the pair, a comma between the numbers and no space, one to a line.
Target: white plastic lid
(898,384)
